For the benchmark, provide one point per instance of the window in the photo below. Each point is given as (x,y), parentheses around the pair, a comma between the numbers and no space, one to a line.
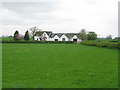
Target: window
(75,40)
(56,39)
(40,39)
(63,39)
(44,35)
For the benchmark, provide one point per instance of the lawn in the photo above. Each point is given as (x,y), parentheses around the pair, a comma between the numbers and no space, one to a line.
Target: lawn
(59,66)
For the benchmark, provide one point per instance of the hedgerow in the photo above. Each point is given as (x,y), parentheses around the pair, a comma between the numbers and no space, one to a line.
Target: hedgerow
(66,42)
(102,44)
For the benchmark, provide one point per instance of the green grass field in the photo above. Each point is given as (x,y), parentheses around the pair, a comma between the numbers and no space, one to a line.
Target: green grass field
(11,39)
(59,66)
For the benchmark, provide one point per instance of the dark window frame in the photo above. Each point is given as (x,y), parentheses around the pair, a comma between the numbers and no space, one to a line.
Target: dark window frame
(75,40)
(63,39)
(56,39)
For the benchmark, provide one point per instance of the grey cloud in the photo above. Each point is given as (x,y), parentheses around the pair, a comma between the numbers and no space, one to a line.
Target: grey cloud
(96,15)
(29,11)
(30,7)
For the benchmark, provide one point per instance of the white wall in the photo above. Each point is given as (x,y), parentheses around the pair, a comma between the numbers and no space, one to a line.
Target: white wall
(64,36)
(75,37)
(69,39)
(45,35)
(56,37)
(51,39)
(36,38)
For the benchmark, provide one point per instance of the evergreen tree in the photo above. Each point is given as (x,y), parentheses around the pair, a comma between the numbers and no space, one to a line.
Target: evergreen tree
(26,37)
(16,35)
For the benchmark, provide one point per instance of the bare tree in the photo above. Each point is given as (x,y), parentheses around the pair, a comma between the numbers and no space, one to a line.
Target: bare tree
(109,37)
(83,34)
(33,30)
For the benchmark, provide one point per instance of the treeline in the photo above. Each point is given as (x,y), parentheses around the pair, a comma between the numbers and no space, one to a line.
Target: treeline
(93,36)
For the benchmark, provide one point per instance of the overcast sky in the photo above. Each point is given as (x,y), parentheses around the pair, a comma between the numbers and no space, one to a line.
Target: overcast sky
(100,16)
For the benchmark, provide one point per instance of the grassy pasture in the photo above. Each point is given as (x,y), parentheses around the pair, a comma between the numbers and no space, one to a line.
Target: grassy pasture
(11,39)
(7,39)
(59,66)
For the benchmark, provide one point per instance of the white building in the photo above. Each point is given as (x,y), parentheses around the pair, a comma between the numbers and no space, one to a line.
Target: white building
(49,36)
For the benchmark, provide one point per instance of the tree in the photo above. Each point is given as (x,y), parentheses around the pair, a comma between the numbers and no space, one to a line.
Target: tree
(20,37)
(91,36)
(83,34)
(117,38)
(16,35)
(109,37)
(26,37)
(33,31)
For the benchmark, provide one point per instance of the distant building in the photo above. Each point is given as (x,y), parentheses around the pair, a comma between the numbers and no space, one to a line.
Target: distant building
(49,36)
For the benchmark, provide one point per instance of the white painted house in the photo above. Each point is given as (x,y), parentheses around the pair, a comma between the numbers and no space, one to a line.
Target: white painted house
(49,36)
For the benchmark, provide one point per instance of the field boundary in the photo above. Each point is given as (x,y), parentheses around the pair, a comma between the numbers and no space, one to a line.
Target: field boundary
(115,45)
(65,42)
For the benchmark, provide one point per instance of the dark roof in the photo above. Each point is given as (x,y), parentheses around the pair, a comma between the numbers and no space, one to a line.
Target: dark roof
(38,33)
(58,34)
(69,35)
(41,32)
(50,34)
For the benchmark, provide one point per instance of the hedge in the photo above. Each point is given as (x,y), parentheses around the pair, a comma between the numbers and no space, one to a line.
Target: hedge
(102,44)
(66,42)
